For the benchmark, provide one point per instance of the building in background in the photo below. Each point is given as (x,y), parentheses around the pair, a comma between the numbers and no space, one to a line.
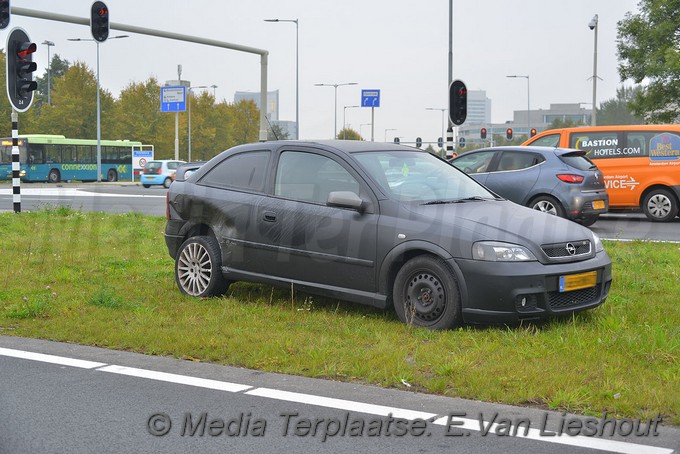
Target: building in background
(272,112)
(478,108)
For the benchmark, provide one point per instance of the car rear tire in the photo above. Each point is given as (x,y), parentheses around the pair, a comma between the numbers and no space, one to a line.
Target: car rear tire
(547,204)
(426,294)
(660,205)
(167,182)
(198,268)
(146,186)
(54,176)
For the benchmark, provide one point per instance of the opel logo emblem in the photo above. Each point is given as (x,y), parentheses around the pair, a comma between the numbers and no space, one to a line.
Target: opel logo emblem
(571,249)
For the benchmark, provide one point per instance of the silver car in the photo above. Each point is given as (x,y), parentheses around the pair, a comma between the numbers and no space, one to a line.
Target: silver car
(559,181)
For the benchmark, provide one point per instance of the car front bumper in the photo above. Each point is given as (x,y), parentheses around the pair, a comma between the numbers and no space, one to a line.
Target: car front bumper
(509,292)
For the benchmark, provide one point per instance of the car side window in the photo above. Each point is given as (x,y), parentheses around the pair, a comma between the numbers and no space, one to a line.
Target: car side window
(310,177)
(239,171)
(474,162)
(517,160)
(552,140)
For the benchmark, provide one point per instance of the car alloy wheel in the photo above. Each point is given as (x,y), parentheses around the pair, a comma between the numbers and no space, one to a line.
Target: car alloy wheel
(197,267)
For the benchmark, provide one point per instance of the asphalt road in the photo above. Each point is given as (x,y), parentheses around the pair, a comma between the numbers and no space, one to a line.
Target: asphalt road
(132,197)
(57,398)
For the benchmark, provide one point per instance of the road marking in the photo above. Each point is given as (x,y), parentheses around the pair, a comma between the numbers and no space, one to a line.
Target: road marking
(175,378)
(71,192)
(61,360)
(338,404)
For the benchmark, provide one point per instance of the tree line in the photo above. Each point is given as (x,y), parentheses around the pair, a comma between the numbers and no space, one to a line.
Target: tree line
(133,115)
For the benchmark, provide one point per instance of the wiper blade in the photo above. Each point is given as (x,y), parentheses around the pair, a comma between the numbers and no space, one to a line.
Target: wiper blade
(475,198)
(441,202)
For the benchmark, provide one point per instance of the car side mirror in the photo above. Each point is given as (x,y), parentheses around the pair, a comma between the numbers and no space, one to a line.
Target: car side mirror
(345,199)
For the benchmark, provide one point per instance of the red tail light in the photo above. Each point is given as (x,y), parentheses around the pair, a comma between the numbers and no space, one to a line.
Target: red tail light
(570,178)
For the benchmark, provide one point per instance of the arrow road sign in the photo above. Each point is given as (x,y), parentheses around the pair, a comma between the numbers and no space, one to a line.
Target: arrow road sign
(370,98)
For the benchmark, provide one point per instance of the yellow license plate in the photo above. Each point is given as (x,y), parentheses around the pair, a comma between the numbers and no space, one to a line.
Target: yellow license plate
(578,281)
(598,204)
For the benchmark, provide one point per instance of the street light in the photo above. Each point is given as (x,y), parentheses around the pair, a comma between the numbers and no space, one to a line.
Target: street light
(214,96)
(191,94)
(99,127)
(49,91)
(390,129)
(528,104)
(344,123)
(593,26)
(443,124)
(297,72)
(335,86)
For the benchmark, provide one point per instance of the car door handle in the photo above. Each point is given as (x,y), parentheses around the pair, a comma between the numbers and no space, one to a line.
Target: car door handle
(269,216)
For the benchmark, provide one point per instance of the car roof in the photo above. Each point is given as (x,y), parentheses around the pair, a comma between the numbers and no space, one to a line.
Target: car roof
(542,150)
(343,146)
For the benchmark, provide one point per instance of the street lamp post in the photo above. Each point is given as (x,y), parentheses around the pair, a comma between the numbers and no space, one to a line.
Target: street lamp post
(335,109)
(593,26)
(443,124)
(389,129)
(528,103)
(344,122)
(99,127)
(190,94)
(49,91)
(214,95)
(297,72)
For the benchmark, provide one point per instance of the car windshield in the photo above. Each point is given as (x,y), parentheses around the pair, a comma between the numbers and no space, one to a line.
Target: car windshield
(419,177)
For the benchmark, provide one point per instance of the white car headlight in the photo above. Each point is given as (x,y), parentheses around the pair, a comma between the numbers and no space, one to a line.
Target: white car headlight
(598,243)
(494,251)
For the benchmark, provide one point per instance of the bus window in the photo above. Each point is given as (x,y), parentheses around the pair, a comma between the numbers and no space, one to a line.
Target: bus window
(53,153)
(552,140)
(597,144)
(36,153)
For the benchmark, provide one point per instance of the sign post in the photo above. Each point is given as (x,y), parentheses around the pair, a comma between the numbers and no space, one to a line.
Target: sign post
(174,99)
(371,98)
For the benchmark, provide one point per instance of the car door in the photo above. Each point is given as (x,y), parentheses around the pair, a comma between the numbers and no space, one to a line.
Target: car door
(305,240)
(514,175)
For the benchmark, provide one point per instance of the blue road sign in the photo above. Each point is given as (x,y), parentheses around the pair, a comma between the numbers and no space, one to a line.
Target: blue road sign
(370,98)
(173,99)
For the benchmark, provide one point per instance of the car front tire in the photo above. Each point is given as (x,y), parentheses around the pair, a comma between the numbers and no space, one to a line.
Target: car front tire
(198,268)
(660,205)
(426,294)
(167,182)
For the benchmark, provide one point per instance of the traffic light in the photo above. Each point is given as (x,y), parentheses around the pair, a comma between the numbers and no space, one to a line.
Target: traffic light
(419,142)
(396,140)
(482,133)
(20,68)
(461,142)
(508,134)
(457,102)
(440,142)
(533,132)
(99,21)
(4,14)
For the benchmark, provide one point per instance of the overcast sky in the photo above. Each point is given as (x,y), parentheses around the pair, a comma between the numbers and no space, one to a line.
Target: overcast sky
(397,46)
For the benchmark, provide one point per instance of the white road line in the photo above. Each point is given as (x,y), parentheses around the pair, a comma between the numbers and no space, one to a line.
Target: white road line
(338,404)
(71,192)
(50,359)
(175,378)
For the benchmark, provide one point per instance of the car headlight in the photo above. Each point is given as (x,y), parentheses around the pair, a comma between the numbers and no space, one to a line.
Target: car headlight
(598,243)
(494,251)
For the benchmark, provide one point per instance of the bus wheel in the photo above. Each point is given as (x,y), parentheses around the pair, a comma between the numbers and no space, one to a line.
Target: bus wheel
(54,176)
(660,205)
(112,175)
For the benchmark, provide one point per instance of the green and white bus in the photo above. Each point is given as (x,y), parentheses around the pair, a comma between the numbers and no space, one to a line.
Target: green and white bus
(54,158)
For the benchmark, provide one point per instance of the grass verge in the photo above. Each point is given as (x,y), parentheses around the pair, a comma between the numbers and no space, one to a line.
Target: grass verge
(106,280)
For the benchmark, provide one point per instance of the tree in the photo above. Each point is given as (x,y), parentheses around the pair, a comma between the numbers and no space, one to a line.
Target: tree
(58,68)
(648,51)
(349,134)
(564,123)
(276,132)
(617,111)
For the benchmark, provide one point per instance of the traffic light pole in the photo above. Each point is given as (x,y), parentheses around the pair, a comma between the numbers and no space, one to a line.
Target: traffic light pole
(16,166)
(176,36)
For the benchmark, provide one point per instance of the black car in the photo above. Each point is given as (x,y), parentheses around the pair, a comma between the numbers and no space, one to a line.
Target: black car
(380,224)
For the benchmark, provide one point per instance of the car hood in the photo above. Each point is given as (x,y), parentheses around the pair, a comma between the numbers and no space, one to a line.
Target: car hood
(459,225)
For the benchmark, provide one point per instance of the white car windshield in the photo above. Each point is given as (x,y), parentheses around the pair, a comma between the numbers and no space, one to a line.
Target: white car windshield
(419,177)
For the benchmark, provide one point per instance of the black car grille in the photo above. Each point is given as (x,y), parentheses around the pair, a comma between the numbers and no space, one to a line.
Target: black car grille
(569,249)
(562,300)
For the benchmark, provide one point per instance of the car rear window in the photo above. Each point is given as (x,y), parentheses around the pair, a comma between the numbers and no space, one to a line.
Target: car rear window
(153,165)
(578,160)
